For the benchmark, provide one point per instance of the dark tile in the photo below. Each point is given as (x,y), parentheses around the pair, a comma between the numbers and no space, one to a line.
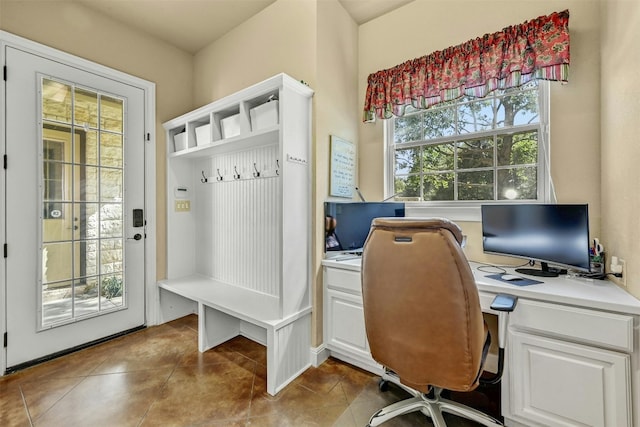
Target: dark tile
(325,416)
(13,411)
(42,395)
(293,400)
(250,349)
(199,394)
(120,399)
(157,377)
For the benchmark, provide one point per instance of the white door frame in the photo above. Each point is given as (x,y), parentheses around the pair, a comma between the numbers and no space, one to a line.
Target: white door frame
(149,88)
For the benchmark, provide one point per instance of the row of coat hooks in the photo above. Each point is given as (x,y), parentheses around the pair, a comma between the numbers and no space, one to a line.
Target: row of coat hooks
(237,176)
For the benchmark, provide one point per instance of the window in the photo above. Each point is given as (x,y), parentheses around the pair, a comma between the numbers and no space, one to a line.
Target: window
(472,150)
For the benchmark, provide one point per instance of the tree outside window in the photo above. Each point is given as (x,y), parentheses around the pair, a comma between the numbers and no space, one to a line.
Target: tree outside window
(471,149)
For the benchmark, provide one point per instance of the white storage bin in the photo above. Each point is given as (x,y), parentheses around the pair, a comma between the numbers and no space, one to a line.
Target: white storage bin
(230,126)
(264,115)
(203,134)
(180,141)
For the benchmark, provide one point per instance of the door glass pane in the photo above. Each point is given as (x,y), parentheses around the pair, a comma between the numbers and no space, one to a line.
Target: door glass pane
(111,150)
(111,221)
(57,222)
(86,296)
(111,114)
(86,254)
(56,302)
(88,220)
(56,101)
(87,179)
(110,256)
(82,239)
(86,109)
(86,147)
(111,185)
(112,290)
(56,258)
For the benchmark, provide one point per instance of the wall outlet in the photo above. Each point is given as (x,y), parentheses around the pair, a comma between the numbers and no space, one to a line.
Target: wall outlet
(618,266)
(182,205)
(624,273)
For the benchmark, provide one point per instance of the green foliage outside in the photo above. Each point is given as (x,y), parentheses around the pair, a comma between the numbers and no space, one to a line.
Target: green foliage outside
(112,287)
(429,172)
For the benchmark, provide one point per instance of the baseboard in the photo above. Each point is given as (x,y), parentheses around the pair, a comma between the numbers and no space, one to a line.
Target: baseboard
(319,355)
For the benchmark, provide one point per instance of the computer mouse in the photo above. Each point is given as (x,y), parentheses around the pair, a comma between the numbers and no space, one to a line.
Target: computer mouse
(510,277)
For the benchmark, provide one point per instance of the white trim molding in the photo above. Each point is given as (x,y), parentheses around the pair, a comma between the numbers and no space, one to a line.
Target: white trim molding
(319,355)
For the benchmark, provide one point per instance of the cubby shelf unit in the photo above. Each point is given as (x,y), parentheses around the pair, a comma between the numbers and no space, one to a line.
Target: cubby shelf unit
(239,255)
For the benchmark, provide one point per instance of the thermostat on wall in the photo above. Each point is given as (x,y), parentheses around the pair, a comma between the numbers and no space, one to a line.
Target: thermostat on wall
(181,192)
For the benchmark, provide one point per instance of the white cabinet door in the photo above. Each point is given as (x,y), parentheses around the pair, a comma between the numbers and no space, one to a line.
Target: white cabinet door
(556,383)
(345,326)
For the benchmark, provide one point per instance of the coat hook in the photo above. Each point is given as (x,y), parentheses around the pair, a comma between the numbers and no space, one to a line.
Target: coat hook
(204,178)
(219,177)
(256,174)
(236,175)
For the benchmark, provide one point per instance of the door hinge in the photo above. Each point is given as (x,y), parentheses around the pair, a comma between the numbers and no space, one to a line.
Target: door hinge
(5,340)
(5,161)
(148,137)
(5,250)
(4,73)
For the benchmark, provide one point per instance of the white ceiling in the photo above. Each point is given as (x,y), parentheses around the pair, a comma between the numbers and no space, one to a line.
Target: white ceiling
(193,24)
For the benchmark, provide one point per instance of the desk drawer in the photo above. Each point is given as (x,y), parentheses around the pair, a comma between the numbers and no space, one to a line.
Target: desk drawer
(576,324)
(344,280)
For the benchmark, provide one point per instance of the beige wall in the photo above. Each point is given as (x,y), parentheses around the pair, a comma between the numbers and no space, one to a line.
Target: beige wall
(80,31)
(335,111)
(620,129)
(424,26)
(279,39)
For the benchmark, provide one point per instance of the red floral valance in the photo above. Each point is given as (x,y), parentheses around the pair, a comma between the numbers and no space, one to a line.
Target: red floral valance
(536,49)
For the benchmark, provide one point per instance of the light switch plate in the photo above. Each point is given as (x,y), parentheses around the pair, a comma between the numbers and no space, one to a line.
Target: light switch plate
(182,205)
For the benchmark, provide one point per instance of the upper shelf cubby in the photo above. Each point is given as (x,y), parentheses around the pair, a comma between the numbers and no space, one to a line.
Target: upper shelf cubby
(246,118)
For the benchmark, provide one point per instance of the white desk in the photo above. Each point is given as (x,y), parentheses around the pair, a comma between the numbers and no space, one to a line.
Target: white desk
(572,351)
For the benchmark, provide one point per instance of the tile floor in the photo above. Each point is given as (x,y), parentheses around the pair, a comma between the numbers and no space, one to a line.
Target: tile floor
(157,377)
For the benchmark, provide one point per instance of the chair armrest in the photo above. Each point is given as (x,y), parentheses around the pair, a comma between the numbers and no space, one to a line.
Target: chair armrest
(504,304)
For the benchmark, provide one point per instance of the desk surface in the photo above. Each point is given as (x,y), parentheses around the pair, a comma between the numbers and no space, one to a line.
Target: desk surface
(600,294)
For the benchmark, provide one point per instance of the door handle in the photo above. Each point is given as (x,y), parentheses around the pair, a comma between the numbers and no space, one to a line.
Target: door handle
(136,236)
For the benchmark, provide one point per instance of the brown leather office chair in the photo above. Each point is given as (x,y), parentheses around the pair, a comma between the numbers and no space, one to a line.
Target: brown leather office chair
(422,315)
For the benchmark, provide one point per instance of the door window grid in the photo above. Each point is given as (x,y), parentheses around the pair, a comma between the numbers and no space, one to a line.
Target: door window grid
(92,282)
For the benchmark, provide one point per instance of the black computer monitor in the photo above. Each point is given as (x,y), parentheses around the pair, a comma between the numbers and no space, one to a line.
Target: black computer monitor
(347,224)
(551,234)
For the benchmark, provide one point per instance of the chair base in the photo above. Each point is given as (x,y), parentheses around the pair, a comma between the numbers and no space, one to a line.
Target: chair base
(431,405)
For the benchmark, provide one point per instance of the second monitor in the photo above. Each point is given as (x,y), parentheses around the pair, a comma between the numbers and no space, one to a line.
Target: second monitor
(347,224)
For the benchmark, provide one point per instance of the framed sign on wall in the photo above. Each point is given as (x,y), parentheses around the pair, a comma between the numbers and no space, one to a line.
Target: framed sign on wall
(343,167)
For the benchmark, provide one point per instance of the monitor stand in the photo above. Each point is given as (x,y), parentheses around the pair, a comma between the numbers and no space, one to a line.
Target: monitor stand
(544,272)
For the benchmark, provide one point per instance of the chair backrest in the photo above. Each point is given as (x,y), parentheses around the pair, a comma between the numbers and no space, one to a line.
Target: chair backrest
(421,305)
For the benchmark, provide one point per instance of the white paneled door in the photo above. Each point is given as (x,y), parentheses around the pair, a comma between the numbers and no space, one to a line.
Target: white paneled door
(74,207)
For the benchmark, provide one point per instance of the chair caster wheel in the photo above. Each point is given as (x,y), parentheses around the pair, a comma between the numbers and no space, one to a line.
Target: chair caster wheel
(383,385)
